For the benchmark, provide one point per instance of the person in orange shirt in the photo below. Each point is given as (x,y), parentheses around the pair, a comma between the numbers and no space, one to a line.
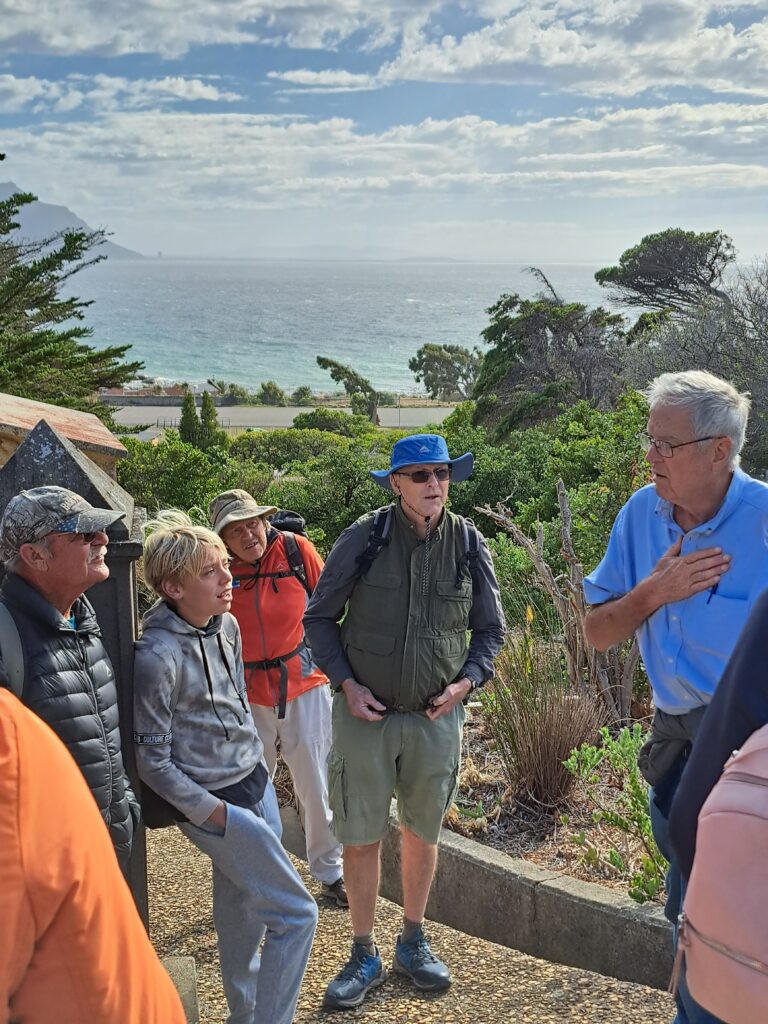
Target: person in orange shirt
(73,948)
(288,694)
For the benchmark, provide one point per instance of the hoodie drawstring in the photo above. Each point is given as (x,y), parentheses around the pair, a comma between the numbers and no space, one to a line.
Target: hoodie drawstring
(207,671)
(231,677)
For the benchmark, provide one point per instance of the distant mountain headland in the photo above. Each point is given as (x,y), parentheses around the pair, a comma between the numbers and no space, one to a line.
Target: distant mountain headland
(41,220)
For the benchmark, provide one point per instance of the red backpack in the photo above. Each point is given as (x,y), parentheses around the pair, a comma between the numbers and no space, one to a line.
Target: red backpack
(724,925)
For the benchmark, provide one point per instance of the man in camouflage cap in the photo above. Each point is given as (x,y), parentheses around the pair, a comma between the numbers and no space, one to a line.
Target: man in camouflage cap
(53,545)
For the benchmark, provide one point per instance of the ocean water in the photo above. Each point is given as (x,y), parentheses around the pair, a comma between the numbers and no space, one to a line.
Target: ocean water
(253,321)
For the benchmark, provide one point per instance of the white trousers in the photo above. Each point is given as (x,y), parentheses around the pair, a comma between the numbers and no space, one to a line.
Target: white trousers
(304,738)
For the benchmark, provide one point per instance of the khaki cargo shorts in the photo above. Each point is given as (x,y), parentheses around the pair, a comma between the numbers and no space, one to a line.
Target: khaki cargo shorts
(403,755)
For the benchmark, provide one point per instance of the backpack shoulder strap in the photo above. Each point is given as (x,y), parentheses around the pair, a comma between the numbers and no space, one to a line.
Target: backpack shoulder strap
(296,561)
(471,553)
(378,538)
(12,652)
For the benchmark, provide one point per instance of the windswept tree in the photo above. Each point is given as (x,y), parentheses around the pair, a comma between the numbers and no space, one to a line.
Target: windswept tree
(362,394)
(448,371)
(545,352)
(672,270)
(730,339)
(42,350)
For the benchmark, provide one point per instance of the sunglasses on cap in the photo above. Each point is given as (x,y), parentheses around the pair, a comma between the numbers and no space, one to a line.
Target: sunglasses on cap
(421,476)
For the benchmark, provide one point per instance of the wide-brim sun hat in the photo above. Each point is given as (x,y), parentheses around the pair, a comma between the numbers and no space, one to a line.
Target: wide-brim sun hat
(423,449)
(234,507)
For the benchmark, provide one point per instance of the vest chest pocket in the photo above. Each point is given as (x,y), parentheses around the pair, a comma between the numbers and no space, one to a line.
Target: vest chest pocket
(452,604)
(385,580)
(374,600)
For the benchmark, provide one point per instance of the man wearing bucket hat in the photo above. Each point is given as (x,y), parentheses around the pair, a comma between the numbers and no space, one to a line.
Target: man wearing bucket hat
(53,543)
(288,694)
(401,668)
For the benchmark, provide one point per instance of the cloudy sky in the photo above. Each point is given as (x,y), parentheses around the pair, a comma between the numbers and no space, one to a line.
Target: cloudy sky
(523,130)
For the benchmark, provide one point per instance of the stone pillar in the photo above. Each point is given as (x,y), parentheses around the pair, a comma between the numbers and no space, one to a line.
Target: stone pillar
(44,458)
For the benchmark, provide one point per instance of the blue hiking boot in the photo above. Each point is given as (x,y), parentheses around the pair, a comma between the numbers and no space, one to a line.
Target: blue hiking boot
(417,960)
(355,980)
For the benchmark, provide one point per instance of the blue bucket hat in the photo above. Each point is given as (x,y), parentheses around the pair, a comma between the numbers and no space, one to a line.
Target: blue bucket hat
(423,448)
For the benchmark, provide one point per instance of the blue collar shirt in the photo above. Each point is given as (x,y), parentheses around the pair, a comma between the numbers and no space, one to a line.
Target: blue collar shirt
(685,645)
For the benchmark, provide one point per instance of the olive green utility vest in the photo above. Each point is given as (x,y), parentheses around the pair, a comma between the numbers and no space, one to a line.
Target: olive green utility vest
(405,632)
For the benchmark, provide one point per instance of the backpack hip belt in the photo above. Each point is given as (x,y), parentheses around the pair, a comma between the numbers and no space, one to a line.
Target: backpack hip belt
(278,662)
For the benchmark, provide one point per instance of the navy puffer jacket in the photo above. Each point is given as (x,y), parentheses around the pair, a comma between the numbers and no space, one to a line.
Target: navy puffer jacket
(70,684)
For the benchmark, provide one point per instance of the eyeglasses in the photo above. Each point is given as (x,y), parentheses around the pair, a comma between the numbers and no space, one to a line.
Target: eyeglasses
(420,476)
(664,448)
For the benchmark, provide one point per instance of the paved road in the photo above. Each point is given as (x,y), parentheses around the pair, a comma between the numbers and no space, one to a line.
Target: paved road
(265,416)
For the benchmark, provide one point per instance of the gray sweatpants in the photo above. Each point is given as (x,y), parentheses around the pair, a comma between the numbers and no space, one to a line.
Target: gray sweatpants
(257,895)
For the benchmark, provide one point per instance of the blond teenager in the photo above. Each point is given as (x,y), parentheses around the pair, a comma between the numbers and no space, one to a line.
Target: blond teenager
(197,747)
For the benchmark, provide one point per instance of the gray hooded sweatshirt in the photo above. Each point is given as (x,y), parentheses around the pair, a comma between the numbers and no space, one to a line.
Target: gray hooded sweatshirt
(193,728)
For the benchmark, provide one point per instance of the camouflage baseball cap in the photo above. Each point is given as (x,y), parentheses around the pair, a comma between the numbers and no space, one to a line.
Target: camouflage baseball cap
(233,507)
(31,515)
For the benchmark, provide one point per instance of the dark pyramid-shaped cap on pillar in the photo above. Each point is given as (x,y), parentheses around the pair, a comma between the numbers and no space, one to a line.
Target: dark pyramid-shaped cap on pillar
(45,457)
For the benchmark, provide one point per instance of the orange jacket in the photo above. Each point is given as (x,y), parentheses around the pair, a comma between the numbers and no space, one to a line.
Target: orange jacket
(269,611)
(72,946)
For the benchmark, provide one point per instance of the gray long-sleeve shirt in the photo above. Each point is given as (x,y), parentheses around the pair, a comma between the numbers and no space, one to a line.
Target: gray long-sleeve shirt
(400,637)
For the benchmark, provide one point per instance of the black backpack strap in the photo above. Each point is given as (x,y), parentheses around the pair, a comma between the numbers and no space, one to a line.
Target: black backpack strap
(296,568)
(12,652)
(296,562)
(378,538)
(280,663)
(468,561)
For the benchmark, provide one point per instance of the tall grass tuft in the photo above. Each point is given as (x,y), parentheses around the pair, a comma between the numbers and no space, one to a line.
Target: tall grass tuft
(535,714)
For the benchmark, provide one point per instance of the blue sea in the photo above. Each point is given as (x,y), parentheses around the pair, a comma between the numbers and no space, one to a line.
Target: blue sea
(254,321)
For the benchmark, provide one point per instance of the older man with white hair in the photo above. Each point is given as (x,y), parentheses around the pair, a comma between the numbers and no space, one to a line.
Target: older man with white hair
(53,543)
(686,561)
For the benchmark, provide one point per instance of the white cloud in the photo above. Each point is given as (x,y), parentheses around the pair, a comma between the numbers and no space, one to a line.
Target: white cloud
(620,48)
(18,93)
(594,47)
(105,92)
(324,81)
(242,162)
(171,28)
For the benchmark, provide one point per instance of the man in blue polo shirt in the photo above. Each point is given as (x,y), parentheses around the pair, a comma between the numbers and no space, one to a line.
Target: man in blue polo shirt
(686,560)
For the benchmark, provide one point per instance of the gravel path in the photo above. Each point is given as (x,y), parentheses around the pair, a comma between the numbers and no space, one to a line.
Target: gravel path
(491,983)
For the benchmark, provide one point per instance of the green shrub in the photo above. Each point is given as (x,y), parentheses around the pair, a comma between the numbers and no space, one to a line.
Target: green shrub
(334,420)
(271,393)
(172,474)
(280,448)
(254,477)
(332,490)
(620,795)
(516,575)
(302,396)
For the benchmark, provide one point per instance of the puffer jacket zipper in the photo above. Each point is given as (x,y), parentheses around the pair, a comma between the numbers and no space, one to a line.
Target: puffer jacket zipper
(82,648)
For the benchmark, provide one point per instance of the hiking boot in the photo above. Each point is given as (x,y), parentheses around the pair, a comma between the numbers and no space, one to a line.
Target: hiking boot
(417,960)
(364,971)
(336,891)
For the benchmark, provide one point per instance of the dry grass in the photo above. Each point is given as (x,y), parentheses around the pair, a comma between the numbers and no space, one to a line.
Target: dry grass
(536,719)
